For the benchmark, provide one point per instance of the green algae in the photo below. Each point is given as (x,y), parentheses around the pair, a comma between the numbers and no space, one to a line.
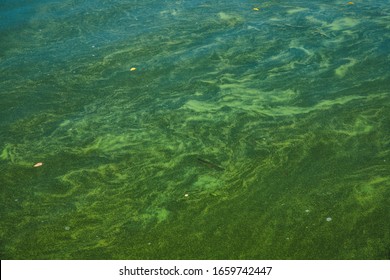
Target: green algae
(235,138)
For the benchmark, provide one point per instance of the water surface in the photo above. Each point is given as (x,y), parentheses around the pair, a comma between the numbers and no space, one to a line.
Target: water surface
(241,133)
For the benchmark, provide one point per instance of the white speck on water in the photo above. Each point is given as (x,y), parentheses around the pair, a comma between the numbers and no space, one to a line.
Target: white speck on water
(328,219)
(67,228)
(307,210)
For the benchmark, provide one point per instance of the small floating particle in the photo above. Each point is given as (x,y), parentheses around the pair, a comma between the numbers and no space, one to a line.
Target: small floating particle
(67,228)
(133,69)
(38,164)
(350,3)
(186,195)
(307,210)
(256,9)
(328,219)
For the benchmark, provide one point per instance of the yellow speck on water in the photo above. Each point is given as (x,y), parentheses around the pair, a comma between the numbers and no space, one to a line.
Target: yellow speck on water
(256,9)
(133,69)
(350,3)
(38,164)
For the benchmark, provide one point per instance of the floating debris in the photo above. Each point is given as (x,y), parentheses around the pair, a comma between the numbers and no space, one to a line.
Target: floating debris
(256,9)
(38,164)
(133,69)
(328,219)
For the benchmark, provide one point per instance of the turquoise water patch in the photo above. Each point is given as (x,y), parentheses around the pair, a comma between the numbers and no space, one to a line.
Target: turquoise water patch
(195,130)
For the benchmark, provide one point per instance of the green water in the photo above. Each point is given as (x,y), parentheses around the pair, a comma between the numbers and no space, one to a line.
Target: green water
(241,134)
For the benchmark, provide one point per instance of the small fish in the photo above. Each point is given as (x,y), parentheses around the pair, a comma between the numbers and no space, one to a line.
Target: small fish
(210,164)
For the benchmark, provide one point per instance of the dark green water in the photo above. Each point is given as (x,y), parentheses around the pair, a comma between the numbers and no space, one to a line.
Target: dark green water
(241,134)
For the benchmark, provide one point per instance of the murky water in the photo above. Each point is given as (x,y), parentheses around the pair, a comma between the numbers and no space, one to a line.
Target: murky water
(195,129)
